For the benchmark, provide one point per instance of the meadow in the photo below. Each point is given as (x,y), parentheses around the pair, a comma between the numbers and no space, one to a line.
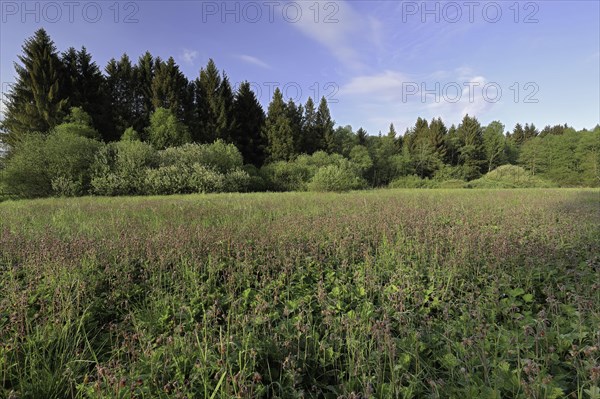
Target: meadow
(372,294)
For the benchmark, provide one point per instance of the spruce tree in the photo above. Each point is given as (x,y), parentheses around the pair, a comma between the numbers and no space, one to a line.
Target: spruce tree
(518,134)
(325,127)
(296,116)
(225,122)
(472,154)
(37,101)
(247,134)
(278,130)
(207,103)
(362,137)
(120,87)
(169,89)
(84,84)
(309,141)
(144,73)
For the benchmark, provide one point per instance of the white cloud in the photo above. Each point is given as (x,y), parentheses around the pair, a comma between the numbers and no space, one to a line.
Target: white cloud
(341,29)
(395,96)
(386,86)
(188,56)
(254,61)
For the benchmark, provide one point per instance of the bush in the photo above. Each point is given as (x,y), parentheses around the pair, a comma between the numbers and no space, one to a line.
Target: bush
(219,156)
(237,180)
(57,164)
(168,180)
(206,180)
(130,134)
(287,176)
(166,130)
(120,168)
(295,175)
(411,181)
(509,176)
(26,171)
(336,178)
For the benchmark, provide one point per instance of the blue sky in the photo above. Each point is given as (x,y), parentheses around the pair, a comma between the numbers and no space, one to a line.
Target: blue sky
(376,61)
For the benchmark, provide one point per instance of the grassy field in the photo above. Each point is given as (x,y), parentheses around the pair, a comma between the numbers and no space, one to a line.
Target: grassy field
(376,294)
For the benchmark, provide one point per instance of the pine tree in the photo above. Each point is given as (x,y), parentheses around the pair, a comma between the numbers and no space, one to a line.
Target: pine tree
(169,89)
(518,134)
(472,155)
(278,130)
(144,73)
(325,127)
(247,133)
(310,141)
(85,86)
(296,116)
(494,145)
(530,131)
(225,122)
(362,137)
(37,101)
(207,103)
(437,137)
(120,88)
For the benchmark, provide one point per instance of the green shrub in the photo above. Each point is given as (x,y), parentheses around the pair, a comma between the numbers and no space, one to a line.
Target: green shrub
(295,175)
(411,181)
(509,176)
(168,180)
(219,155)
(26,171)
(336,178)
(57,164)
(166,130)
(237,180)
(287,176)
(130,134)
(206,180)
(120,168)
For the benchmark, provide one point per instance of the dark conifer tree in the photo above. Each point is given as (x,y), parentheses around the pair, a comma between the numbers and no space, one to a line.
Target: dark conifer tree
(309,141)
(144,73)
(325,127)
(85,87)
(247,134)
(120,88)
(170,89)
(278,130)
(38,100)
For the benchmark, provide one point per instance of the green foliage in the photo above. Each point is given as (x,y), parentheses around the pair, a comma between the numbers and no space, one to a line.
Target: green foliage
(336,178)
(84,85)
(78,123)
(296,175)
(166,131)
(130,135)
(120,168)
(359,156)
(247,134)
(38,100)
(56,164)
(413,181)
(26,173)
(278,130)
(509,176)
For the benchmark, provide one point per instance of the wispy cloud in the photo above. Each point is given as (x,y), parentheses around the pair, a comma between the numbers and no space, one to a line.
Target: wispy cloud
(254,61)
(341,29)
(395,96)
(188,56)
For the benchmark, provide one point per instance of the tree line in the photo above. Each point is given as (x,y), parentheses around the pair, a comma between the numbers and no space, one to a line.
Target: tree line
(153,102)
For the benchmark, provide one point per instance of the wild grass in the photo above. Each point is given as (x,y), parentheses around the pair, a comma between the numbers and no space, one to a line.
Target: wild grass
(379,294)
